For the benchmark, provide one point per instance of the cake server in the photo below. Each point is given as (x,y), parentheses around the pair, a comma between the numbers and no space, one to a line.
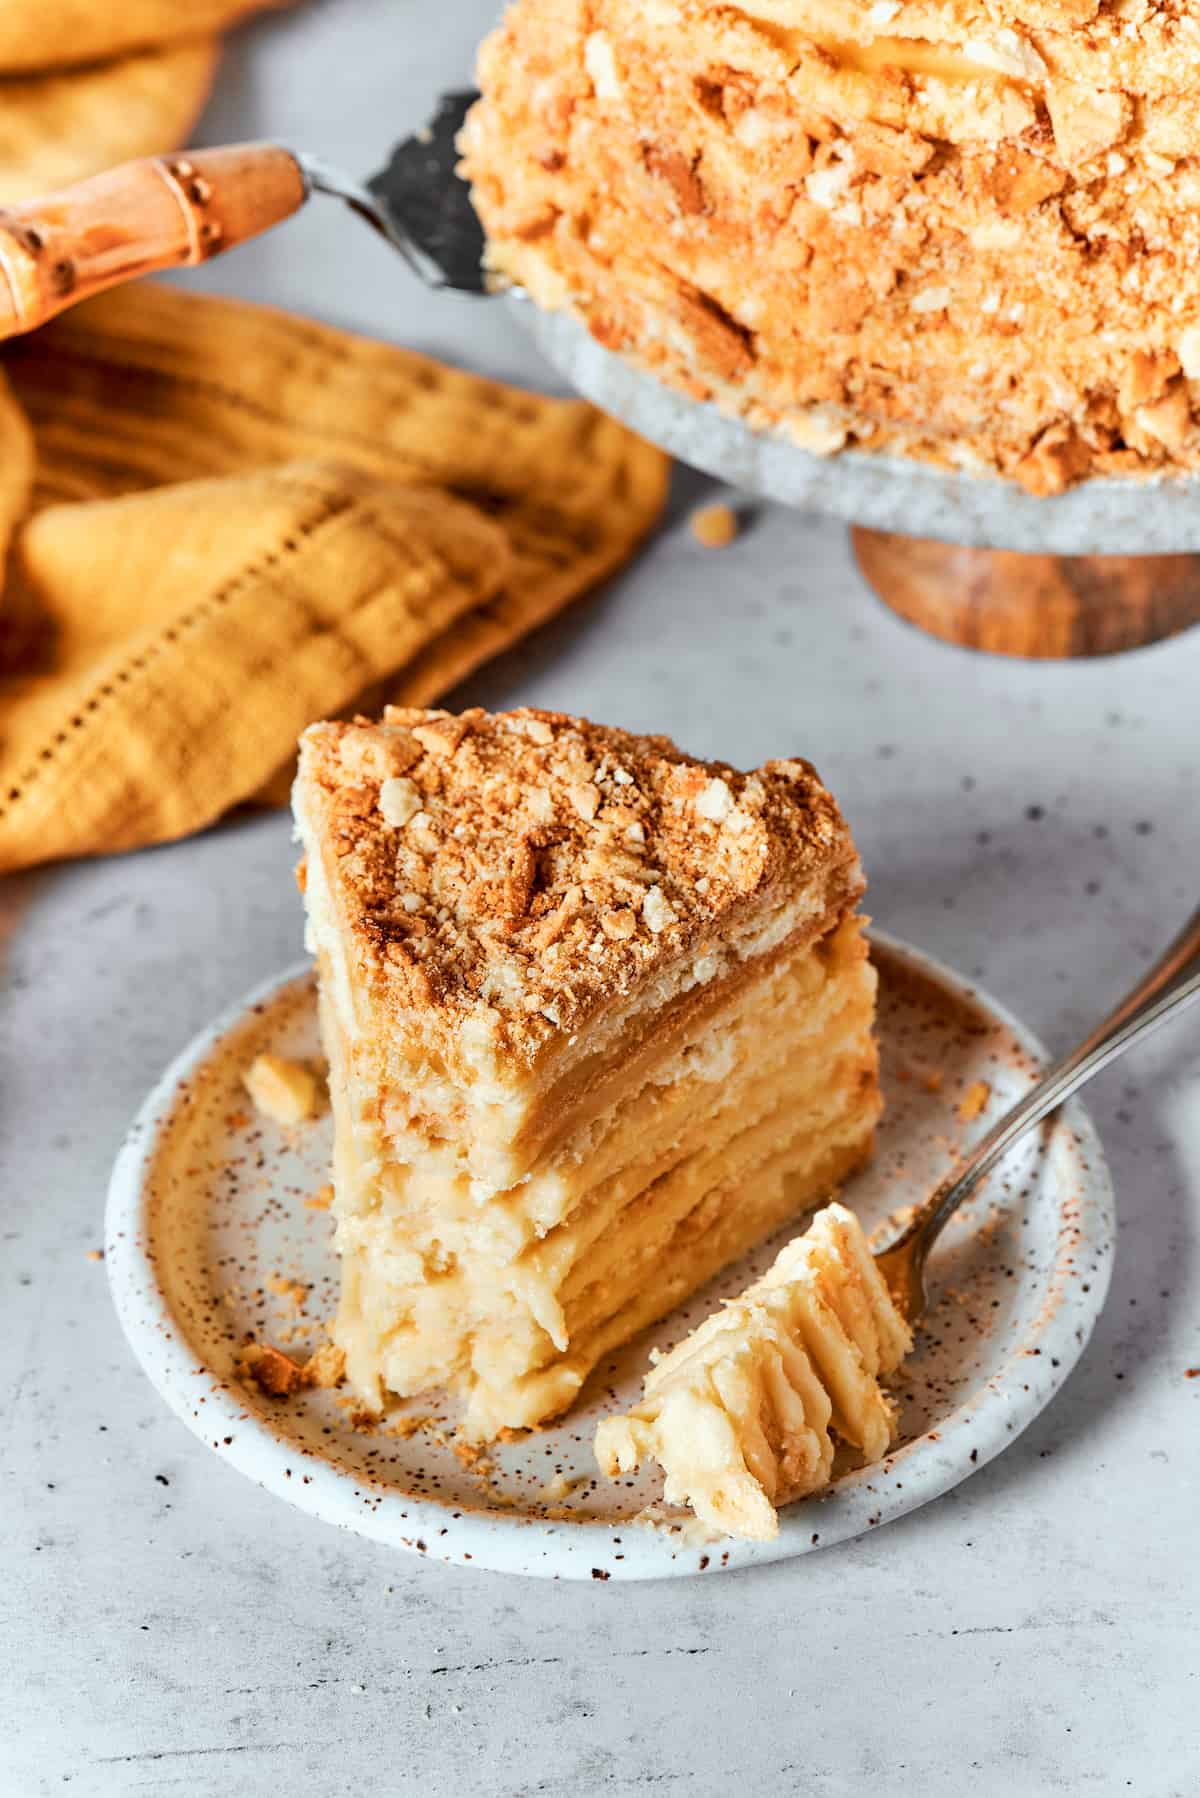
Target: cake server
(1172,983)
(166,212)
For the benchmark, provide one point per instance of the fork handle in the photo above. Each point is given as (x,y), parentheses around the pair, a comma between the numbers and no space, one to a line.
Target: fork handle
(1172,983)
(162,212)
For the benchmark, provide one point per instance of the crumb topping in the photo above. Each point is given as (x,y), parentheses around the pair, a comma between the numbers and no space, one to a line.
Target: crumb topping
(962,230)
(531,865)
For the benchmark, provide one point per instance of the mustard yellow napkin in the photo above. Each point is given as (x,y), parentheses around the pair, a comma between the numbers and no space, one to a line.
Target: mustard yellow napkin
(84,84)
(61,125)
(47,34)
(223,521)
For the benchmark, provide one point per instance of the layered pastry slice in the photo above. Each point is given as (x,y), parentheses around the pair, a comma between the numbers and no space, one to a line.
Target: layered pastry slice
(598,1018)
(967,230)
(742,1414)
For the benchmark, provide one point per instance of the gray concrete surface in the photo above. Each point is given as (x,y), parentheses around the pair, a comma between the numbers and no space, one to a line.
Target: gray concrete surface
(166,1627)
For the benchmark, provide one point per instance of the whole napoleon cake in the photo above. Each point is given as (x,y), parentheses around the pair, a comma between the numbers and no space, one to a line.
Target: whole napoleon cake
(598,1019)
(967,230)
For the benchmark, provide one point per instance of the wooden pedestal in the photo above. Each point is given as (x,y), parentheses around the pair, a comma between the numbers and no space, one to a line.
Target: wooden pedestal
(1046,607)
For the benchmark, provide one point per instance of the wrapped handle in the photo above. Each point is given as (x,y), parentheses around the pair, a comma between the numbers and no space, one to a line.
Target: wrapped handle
(160,213)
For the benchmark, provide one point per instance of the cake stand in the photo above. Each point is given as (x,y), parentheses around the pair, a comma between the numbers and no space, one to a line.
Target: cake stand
(1109,565)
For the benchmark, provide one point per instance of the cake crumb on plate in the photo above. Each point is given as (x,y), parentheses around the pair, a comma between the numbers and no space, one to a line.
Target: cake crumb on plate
(714,526)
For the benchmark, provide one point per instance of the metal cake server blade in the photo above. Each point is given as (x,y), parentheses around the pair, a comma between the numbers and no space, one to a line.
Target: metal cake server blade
(419,202)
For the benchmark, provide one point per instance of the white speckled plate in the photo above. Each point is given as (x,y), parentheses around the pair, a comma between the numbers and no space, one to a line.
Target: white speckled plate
(209,1241)
(885,492)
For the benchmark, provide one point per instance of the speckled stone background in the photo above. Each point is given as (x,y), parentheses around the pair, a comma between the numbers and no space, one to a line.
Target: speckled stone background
(165,1627)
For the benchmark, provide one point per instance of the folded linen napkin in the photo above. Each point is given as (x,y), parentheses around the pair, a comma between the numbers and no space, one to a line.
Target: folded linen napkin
(84,85)
(223,521)
(54,33)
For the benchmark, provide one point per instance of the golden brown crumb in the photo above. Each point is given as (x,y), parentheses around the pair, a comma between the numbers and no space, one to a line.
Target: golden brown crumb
(281,1089)
(95,1254)
(322,1199)
(283,1288)
(553,862)
(470,1454)
(974,1101)
(404,1427)
(714,526)
(280,1376)
(272,1371)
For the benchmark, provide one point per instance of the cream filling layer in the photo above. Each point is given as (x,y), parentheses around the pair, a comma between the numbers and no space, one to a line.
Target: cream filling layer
(759,1026)
(439,1288)
(722,1227)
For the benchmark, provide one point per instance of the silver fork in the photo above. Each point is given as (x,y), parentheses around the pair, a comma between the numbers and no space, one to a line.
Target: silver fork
(1171,984)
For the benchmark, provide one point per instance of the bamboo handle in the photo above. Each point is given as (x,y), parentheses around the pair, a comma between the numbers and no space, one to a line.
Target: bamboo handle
(160,213)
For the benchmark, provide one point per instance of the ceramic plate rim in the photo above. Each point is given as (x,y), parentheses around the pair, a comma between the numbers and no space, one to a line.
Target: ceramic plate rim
(503,1541)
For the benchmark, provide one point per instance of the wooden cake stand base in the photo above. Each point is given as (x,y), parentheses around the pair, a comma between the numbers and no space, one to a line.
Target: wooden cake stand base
(1044,607)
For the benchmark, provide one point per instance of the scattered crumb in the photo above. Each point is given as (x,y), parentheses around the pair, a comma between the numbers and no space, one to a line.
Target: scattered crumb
(560,1487)
(95,1254)
(279,1376)
(272,1371)
(322,1199)
(366,1421)
(237,1120)
(974,1101)
(404,1427)
(508,1434)
(1191,1373)
(283,1288)
(470,1454)
(714,526)
(283,1090)
(932,1082)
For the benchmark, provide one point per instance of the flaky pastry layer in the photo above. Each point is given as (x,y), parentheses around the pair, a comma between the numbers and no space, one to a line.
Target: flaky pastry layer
(945,230)
(511,1300)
